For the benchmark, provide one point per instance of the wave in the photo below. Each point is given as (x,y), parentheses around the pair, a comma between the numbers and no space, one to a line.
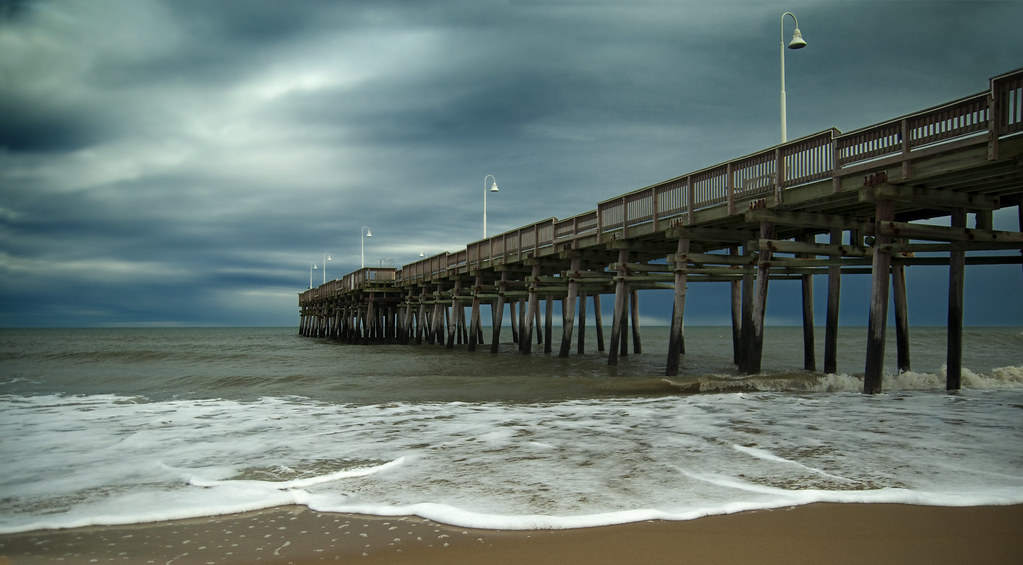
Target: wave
(303,483)
(1001,377)
(777,498)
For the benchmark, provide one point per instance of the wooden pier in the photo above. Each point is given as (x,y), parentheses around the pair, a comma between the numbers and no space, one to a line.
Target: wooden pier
(828,204)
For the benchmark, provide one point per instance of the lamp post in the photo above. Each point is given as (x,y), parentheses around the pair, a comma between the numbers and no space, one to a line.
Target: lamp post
(493,188)
(312,267)
(796,43)
(326,257)
(364,233)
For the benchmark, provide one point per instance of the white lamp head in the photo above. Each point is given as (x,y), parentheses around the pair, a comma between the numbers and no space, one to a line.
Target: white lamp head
(493,187)
(369,233)
(797,40)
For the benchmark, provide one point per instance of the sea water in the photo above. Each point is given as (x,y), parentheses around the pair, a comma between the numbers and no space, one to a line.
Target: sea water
(117,426)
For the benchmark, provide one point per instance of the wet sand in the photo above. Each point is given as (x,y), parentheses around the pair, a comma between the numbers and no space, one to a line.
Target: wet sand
(818,533)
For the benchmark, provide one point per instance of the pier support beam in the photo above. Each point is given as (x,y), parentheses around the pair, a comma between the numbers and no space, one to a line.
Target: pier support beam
(753,355)
(956,280)
(878,319)
(809,356)
(370,323)
(678,310)
(421,317)
(581,347)
(497,313)
(621,289)
(901,315)
(437,320)
(736,315)
(548,323)
(526,335)
(569,310)
(454,317)
(474,318)
(746,321)
(514,313)
(831,324)
(598,322)
(536,319)
(637,344)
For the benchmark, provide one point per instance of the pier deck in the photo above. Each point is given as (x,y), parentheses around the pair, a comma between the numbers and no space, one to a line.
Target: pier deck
(745,222)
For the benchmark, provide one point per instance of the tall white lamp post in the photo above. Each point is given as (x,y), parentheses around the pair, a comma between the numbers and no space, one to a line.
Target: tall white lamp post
(312,267)
(796,43)
(326,257)
(364,233)
(493,188)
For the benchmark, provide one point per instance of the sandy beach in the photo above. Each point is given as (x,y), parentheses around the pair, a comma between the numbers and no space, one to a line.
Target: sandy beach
(818,533)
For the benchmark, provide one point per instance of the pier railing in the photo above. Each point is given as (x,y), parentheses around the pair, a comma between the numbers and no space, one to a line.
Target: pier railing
(997,113)
(351,281)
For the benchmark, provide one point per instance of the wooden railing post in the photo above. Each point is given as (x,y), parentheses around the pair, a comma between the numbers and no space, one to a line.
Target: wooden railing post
(691,190)
(993,118)
(653,208)
(730,189)
(625,218)
(906,133)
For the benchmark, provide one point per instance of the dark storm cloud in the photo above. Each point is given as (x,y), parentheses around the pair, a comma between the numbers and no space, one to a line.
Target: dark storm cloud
(188,161)
(28,127)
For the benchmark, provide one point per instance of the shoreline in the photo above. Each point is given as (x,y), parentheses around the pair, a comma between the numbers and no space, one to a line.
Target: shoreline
(820,532)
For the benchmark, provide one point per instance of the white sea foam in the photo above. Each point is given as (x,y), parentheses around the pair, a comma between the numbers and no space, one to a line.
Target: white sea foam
(106,459)
(302,483)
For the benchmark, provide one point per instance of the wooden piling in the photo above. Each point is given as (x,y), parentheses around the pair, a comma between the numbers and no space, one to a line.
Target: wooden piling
(548,312)
(619,311)
(370,321)
(809,356)
(746,325)
(421,317)
(437,319)
(878,318)
(474,318)
(581,346)
(516,321)
(497,313)
(537,323)
(901,305)
(753,356)
(678,309)
(531,304)
(598,322)
(956,279)
(569,309)
(623,340)
(831,324)
(637,345)
(453,313)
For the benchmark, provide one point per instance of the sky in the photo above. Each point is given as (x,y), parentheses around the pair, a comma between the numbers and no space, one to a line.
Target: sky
(186,162)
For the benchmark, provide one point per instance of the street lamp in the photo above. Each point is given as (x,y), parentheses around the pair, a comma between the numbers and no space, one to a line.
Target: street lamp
(312,267)
(326,257)
(493,188)
(796,43)
(364,233)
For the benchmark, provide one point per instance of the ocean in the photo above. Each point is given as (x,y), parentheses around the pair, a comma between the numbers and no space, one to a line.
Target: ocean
(122,426)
